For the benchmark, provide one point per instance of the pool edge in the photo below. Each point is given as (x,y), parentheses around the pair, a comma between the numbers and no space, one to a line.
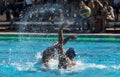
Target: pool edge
(83,34)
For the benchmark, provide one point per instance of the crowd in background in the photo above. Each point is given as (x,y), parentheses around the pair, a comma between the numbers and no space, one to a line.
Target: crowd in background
(102,10)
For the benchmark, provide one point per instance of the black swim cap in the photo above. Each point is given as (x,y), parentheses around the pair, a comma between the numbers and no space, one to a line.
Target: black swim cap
(70,52)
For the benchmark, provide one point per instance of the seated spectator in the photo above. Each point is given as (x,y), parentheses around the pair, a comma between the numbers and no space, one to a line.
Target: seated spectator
(108,11)
(108,14)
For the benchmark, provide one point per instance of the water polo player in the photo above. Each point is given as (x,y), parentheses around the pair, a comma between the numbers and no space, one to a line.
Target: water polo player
(50,52)
(67,60)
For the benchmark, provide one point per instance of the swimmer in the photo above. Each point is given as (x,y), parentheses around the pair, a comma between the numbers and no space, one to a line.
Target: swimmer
(50,52)
(66,60)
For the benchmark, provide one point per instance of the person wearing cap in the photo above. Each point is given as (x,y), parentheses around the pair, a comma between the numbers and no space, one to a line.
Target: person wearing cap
(50,52)
(70,53)
(66,60)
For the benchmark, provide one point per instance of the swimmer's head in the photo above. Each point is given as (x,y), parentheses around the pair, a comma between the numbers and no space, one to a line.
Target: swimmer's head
(71,53)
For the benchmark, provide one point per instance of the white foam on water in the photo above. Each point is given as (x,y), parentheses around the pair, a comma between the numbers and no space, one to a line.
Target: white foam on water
(80,66)
(98,66)
(38,55)
(116,67)
(53,65)
(24,67)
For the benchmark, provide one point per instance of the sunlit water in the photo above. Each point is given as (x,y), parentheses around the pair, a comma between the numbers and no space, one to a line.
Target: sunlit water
(20,58)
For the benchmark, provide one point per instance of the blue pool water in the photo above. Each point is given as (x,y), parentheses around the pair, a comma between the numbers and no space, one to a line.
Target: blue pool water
(21,58)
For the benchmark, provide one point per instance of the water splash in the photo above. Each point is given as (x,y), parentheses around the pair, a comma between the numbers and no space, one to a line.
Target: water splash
(28,66)
(38,55)
(50,14)
(117,67)
(80,66)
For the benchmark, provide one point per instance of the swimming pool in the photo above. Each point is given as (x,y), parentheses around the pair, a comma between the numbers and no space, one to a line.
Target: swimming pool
(97,56)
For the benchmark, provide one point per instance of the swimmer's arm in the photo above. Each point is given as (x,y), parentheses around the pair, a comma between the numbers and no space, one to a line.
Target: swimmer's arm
(60,39)
(60,34)
(69,38)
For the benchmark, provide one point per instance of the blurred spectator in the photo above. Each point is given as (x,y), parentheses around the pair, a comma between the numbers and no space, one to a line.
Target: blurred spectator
(62,1)
(91,4)
(92,17)
(117,9)
(53,1)
(2,6)
(86,2)
(10,9)
(98,17)
(108,12)
(60,17)
(83,20)
(19,6)
(58,1)
(29,3)
(37,2)
(13,9)
(97,10)
(71,1)
(73,10)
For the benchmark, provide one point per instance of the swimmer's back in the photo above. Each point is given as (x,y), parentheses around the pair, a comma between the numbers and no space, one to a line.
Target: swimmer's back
(49,53)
